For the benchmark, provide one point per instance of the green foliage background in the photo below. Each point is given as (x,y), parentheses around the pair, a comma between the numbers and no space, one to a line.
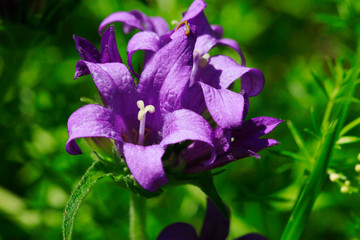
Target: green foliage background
(290,41)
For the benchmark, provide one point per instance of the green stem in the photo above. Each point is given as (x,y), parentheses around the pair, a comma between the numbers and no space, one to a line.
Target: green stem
(331,130)
(305,203)
(137,217)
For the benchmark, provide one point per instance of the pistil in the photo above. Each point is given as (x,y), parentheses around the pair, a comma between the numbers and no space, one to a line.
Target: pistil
(187,32)
(142,118)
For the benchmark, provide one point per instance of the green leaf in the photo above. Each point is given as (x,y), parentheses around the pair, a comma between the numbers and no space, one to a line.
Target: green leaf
(92,176)
(320,84)
(206,184)
(350,126)
(348,139)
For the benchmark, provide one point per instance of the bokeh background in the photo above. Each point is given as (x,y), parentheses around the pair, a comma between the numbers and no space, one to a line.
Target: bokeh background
(290,41)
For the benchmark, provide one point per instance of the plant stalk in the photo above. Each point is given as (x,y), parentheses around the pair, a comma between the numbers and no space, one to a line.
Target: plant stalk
(137,217)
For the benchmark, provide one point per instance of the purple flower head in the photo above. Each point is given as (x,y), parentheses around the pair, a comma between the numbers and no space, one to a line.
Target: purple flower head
(154,34)
(215,227)
(143,120)
(178,88)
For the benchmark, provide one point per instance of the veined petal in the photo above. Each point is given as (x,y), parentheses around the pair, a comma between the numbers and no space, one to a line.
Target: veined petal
(215,226)
(124,17)
(112,80)
(223,71)
(226,107)
(109,50)
(145,165)
(145,40)
(178,231)
(182,125)
(90,121)
(165,77)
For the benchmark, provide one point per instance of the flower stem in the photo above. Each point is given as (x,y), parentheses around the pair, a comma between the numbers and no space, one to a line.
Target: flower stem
(137,217)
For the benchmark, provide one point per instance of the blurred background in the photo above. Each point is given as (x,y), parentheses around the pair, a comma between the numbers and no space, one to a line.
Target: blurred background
(292,42)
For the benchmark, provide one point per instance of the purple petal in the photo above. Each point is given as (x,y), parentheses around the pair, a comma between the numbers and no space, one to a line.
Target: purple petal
(160,25)
(90,121)
(124,17)
(193,99)
(234,45)
(145,40)
(226,107)
(257,127)
(252,236)
(165,76)
(194,10)
(205,43)
(215,226)
(87,52)
(222,70)
(178,231)
(109,50)
(112,80)
(218,30)
(183,125)
(86,49)
(240,150)
(145,165)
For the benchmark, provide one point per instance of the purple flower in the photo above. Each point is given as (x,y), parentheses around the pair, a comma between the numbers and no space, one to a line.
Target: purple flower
(143,120)
(155,34)
(215,227)
(175,89)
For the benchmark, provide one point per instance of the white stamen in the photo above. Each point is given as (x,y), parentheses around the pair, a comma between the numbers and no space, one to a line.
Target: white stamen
(142,118)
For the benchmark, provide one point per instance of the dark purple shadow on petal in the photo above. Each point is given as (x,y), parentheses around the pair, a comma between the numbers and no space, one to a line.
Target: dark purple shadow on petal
(215,226)
(86,49)
(178,231)
(256,127)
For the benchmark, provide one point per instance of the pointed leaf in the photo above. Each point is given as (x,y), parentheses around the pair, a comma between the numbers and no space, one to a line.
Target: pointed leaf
(350,126)
(92,176)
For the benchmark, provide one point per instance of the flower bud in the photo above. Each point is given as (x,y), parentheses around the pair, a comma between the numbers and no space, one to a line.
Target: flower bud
(357,168)
(344,189)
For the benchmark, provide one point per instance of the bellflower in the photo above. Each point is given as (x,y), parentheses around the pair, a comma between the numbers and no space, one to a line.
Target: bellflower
(215,227)
(143,120)
(155,34)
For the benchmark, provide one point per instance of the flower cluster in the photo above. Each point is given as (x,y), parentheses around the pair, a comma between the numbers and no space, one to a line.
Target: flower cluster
(182,96)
